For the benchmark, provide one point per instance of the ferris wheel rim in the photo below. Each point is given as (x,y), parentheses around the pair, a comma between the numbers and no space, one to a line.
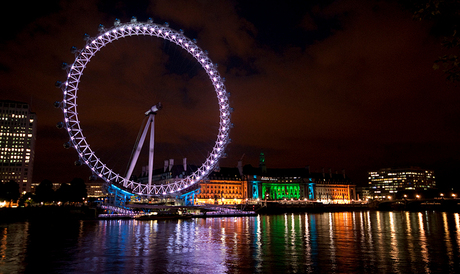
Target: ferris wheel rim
(69,105)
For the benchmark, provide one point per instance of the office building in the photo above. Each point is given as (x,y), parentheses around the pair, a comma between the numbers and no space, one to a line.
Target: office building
(389,181)
(17,143)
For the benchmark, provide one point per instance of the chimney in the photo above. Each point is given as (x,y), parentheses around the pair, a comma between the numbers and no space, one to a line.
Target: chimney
(322,170)
(165,166)
(240,168)
(184,162)
(343,172)
(330,172)
(171,164)
(308,169)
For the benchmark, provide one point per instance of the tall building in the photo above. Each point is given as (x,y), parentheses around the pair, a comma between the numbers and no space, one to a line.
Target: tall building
(17,143)
(388,181)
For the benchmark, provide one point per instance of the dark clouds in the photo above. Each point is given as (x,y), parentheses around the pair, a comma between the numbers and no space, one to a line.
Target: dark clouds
(341,84)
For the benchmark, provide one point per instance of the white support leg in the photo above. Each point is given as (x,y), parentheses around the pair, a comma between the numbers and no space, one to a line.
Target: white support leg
(137,152)
(151,122)
(152,139)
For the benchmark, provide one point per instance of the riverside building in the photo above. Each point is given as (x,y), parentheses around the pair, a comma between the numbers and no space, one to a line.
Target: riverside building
(298,184)
(386,182)
(223,186)
(228,185)
(17,143)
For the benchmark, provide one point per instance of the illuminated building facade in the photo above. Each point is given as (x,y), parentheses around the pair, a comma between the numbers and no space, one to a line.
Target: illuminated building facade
(298,183)
(94,189)
(388,181)
(237,185)
(332,187)
(277,185)
(17,143)
(224,186)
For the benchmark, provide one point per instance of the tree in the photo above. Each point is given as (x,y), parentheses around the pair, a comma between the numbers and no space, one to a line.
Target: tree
(78,190)
(44,191)
(2,192)
(10,191)
(445,15)
(64,193)
(27,198)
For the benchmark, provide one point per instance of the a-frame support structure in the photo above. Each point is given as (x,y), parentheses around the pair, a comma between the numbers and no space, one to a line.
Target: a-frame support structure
(150,124)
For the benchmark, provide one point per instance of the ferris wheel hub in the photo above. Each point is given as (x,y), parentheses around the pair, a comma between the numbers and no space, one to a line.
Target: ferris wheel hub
(154,109)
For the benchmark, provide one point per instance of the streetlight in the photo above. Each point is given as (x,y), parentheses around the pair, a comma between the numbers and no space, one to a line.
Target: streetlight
(417,196)
(453,195)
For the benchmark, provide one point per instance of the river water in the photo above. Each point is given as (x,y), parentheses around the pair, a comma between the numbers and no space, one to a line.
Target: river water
(337,242)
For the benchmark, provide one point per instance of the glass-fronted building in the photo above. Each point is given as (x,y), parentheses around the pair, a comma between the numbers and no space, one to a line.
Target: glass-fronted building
(17,143)
(389,181)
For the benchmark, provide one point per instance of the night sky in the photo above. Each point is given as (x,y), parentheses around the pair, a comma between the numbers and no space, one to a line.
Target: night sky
(334,84)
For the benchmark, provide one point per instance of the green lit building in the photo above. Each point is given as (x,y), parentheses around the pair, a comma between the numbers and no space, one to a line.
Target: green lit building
(297,183)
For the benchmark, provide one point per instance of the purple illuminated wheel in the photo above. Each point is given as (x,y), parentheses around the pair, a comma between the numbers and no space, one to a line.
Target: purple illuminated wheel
(72,124)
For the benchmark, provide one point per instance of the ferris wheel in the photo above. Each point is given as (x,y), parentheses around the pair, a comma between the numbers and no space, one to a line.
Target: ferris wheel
(77,140)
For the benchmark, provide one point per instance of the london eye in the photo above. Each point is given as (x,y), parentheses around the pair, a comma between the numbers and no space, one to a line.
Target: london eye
(88,156)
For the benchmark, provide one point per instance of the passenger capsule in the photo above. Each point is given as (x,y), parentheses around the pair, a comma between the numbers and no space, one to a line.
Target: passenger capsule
(57,104)
(60,125)
(73,50)
(66,145)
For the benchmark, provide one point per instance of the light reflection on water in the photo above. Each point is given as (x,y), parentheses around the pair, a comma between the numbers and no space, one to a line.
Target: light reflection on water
(340,242)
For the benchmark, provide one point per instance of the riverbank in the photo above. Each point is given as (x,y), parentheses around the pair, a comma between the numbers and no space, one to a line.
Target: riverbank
(266,208)
(47,212)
